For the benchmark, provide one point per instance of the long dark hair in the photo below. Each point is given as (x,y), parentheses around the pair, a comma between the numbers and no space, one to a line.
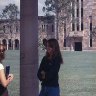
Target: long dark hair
(2,52)
(53,43)
(45,42)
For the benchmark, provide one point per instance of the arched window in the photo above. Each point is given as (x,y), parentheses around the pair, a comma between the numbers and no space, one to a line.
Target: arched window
(4,42)
(16,44)
(10,44)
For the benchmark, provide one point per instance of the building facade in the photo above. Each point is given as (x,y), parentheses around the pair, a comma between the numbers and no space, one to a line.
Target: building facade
(79,33)
(45,28)
(10,31)
(10,34)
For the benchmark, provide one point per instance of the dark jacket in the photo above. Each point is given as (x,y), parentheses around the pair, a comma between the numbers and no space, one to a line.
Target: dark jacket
(51,69)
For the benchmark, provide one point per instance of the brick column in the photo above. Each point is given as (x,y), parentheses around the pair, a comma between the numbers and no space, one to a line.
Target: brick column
(29,48)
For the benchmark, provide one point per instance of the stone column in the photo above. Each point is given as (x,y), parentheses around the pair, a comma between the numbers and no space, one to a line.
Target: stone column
(29,85)
(13,44)
(7,44)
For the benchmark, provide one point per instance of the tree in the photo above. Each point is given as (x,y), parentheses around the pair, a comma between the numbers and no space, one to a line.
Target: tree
(55,7)
(11,14)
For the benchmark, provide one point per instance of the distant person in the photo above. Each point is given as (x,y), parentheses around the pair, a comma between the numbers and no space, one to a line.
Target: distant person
(45,43)
(49,69)
(4,81)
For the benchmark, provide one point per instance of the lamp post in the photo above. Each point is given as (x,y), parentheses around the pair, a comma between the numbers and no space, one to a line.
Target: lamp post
(90,17)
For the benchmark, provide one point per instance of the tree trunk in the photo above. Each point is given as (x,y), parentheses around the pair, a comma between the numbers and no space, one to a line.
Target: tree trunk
(56,26)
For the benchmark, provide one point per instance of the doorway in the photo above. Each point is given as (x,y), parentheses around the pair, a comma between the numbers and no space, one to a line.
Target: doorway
(78,46)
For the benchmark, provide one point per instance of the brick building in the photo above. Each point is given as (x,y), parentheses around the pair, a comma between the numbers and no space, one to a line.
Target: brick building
(10,34)
(79,33)
(76,34)
(10,31)
(45,27)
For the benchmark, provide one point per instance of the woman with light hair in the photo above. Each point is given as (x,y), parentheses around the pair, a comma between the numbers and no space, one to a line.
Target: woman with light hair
(4,81)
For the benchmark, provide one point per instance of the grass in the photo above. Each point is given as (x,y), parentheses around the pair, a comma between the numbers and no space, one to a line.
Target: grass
(13,59)
(77,76)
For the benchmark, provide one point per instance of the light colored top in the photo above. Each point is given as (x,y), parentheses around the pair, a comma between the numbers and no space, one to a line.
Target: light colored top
(1,66)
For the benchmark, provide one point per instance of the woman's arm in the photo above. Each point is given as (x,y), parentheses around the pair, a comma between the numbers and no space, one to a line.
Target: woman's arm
(54,69)
(3,79)
(40,72)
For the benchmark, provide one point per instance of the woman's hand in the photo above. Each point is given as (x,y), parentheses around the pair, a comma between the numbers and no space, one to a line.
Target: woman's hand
(10,77)
(43,74)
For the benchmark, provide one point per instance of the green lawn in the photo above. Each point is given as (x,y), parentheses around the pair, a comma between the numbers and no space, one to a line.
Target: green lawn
(13,59)
(77,74)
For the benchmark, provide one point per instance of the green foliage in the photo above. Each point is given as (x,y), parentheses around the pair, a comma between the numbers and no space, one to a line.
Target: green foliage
(10,12)
(56,6)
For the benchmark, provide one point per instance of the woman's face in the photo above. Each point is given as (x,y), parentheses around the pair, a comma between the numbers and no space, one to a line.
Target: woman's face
(49,49)
(2,52)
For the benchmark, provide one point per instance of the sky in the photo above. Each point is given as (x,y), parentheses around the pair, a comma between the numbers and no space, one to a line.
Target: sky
(3,3)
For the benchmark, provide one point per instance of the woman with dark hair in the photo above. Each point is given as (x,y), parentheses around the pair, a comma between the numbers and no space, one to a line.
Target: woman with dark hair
(49,69)
(4,81)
